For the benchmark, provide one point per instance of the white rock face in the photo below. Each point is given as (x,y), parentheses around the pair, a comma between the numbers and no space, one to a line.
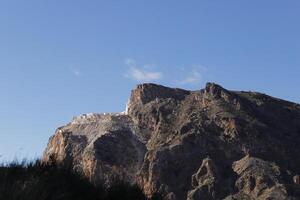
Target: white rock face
(86,143)
(93,117)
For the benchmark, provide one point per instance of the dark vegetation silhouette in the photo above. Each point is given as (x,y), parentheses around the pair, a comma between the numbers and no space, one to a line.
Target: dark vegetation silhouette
(51,181)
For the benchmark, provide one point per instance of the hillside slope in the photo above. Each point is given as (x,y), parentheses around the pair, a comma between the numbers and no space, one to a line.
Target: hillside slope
(206,144)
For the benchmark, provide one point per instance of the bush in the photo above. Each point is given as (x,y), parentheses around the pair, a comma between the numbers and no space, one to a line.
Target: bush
(51,181)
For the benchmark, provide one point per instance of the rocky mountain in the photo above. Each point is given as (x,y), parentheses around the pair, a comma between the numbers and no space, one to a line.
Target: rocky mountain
(206,144)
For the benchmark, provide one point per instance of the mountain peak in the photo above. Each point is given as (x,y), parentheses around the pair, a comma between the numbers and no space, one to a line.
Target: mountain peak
(147,92)
(208,144)
(214,89)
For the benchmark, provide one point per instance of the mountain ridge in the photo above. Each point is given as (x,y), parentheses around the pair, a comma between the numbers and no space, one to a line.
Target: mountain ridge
(204,144)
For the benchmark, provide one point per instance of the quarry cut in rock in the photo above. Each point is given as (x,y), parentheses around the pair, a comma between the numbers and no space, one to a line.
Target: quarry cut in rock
(207,144)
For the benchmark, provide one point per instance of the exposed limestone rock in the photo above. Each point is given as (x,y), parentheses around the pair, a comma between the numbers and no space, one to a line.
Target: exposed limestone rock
(99,145)
(258,179)
(205,182)
(206,144)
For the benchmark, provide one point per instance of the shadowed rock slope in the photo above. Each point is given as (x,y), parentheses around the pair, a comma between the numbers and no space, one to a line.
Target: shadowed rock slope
(206,144)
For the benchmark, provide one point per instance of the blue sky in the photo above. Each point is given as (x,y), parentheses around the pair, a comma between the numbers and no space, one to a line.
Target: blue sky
(61,58)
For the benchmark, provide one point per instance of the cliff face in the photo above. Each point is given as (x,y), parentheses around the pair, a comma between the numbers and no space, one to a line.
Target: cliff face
(206,144)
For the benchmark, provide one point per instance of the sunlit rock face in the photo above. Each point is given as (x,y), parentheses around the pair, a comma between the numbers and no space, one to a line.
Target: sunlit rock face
(207,144)
(99,145)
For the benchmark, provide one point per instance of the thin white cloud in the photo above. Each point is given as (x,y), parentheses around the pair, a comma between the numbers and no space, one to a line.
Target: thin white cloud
(130,61)
(76,72)
(141,74)
(196,76)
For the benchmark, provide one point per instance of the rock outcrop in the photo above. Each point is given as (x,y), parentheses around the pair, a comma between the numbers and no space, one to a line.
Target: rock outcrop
(206,144)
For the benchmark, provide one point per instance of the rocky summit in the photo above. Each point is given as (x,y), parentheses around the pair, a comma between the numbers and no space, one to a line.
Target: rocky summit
(207,144)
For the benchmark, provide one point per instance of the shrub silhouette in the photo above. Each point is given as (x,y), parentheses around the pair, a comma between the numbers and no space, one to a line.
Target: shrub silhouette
(52,181)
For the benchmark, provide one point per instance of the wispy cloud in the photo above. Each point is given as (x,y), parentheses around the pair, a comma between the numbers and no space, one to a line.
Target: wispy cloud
(130,61)
(196,76)
(189,76)
(76,72)
(140,73)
